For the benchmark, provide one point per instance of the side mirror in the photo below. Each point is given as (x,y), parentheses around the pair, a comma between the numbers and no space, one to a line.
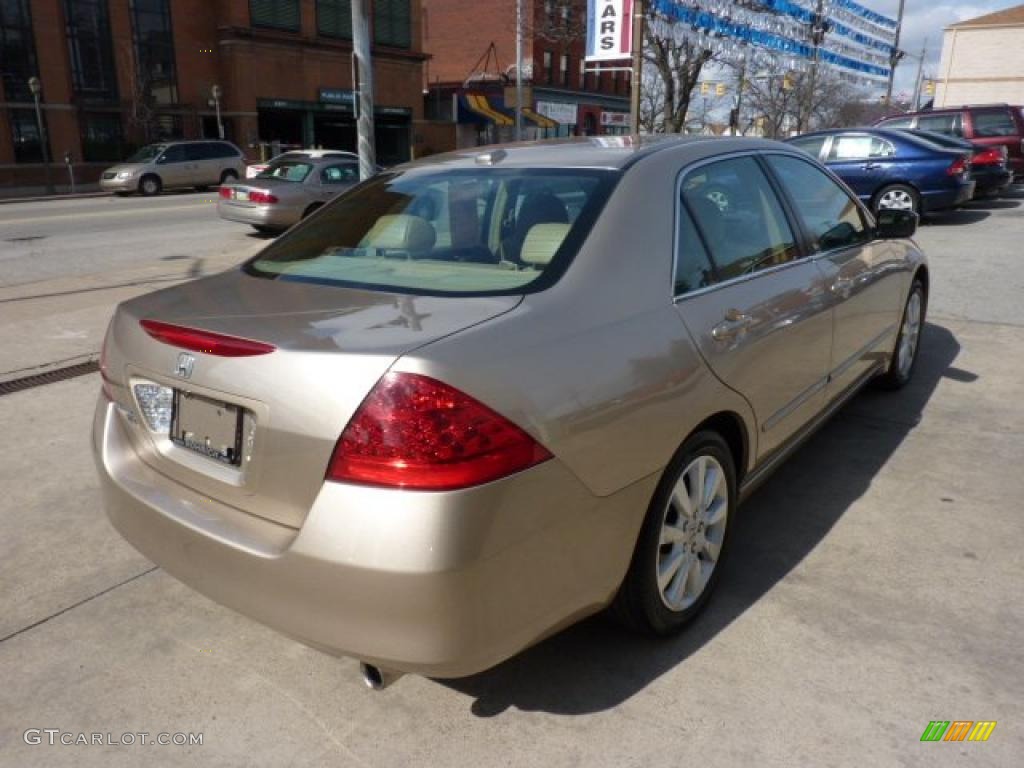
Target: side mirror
(896,224)
(161,160)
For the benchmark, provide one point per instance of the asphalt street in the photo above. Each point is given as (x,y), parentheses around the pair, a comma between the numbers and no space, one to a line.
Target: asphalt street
(874,583)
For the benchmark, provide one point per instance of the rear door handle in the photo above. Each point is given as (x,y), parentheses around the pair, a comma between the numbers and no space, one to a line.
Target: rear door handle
(735,323)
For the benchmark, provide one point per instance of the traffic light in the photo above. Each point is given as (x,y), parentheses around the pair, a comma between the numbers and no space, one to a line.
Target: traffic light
(720,89)
(705,89)
(929,87)
(787,83)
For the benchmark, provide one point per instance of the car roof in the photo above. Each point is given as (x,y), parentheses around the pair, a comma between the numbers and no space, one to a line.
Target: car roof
(599,152)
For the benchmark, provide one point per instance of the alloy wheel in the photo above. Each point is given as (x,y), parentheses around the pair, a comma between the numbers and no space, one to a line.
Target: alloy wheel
(909,334)
(896,199)
(692,533)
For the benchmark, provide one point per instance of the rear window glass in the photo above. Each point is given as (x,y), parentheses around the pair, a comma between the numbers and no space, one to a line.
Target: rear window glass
(994,123)
(287,170)
(445,232)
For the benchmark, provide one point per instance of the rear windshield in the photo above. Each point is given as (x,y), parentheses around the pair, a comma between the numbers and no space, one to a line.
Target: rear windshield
(445,232)
(147,153)
(286,170)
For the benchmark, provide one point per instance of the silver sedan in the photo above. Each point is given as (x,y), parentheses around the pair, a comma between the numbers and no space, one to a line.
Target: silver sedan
(287,191)
(483,395)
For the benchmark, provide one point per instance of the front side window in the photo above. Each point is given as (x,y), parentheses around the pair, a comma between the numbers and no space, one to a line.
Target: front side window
(147,154)
(275,14)
(947,124)
(992,123)
(176,153)
(445,232)
(811,144)
(739,217)
(830,215)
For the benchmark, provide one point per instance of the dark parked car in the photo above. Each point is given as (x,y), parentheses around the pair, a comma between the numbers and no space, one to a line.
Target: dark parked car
(992,125)
(892,169)
(989,167)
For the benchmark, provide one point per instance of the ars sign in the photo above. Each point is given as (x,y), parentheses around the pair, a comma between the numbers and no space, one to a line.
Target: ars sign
(609,30)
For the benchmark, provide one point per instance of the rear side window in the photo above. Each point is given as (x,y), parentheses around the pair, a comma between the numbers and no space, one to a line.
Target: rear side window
(830,215)
(858,146)
(996,122)
(948,124)
(340,174)
(454,232)
(739,216)
(693,269)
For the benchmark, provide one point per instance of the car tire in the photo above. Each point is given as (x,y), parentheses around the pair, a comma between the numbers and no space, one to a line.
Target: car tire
(228,177)
(898,196)
(150,185)
(265,230)
(908,343)
(678,556)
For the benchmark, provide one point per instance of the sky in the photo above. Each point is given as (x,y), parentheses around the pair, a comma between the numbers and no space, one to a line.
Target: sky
(927,19)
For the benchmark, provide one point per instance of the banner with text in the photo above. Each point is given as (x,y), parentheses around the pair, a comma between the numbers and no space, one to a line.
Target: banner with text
(609,30)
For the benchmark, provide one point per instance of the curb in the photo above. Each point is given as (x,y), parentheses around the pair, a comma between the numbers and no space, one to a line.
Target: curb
(46,198)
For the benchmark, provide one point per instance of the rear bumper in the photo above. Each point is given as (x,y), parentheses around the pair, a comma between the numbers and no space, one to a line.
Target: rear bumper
(949,197)
(989,181)
(440,584)
(271,217)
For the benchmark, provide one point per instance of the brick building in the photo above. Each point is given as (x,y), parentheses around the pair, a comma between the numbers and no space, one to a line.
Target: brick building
(472,46)
(119,73)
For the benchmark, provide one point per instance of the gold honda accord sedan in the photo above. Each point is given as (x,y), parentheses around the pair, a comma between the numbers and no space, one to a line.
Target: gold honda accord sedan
(481,396)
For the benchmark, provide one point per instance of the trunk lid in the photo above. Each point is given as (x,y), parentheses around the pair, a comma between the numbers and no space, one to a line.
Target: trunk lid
(332,345)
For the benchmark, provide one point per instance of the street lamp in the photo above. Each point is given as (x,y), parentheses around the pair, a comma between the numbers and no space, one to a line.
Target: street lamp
(216,92)
(37,88)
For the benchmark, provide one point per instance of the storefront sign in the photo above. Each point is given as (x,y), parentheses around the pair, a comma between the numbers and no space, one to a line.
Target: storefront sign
(337,96)
(558,111)
(609,30)
(614,118)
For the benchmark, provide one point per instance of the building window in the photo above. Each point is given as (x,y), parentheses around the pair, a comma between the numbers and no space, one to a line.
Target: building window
(102,138)
(17,49)
(334,18)
(275,14)
(25,134)
(90,49)
(615,81)
(392,23)
(549,74)
(563,68)
(154,53)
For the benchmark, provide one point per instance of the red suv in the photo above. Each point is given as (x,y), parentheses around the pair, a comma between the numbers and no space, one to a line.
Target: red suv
(992,125)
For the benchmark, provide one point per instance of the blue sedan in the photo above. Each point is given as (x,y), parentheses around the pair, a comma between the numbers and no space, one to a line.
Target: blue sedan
(891,169)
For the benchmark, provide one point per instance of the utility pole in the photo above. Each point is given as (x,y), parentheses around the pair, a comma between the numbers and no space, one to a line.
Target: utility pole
(920,71)
(364,63)
(519,70)
(819,27)
(896,55)
(638,63)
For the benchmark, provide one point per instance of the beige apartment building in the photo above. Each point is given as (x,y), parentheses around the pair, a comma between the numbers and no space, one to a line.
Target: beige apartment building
(983,60)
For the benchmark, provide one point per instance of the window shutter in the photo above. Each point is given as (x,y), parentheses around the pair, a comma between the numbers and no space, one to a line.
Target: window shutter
(277,14)
(334,18)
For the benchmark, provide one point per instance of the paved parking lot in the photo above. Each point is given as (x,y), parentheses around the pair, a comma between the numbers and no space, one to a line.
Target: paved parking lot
(874,586)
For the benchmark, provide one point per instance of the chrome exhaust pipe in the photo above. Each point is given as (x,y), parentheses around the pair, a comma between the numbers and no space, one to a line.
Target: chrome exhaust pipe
(375,678)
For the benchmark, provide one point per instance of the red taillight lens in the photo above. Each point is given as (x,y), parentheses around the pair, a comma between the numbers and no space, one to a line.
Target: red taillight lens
(415,432)
(989,157)
(263,198)
(205,341)
(225,192)
(958,166)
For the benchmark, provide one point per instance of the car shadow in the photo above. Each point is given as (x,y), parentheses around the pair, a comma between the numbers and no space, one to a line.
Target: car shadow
(596,664)
(956,218)
(993,205)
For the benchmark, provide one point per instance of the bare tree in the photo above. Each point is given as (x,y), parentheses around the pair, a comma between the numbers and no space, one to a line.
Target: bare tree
(142,106)
(677,62)
(775,101)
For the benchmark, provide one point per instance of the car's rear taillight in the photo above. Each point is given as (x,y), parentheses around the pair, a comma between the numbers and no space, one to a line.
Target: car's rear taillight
(225,192)
(957,167)
(263,198)
(994,156)
(205,341)
(417,433)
